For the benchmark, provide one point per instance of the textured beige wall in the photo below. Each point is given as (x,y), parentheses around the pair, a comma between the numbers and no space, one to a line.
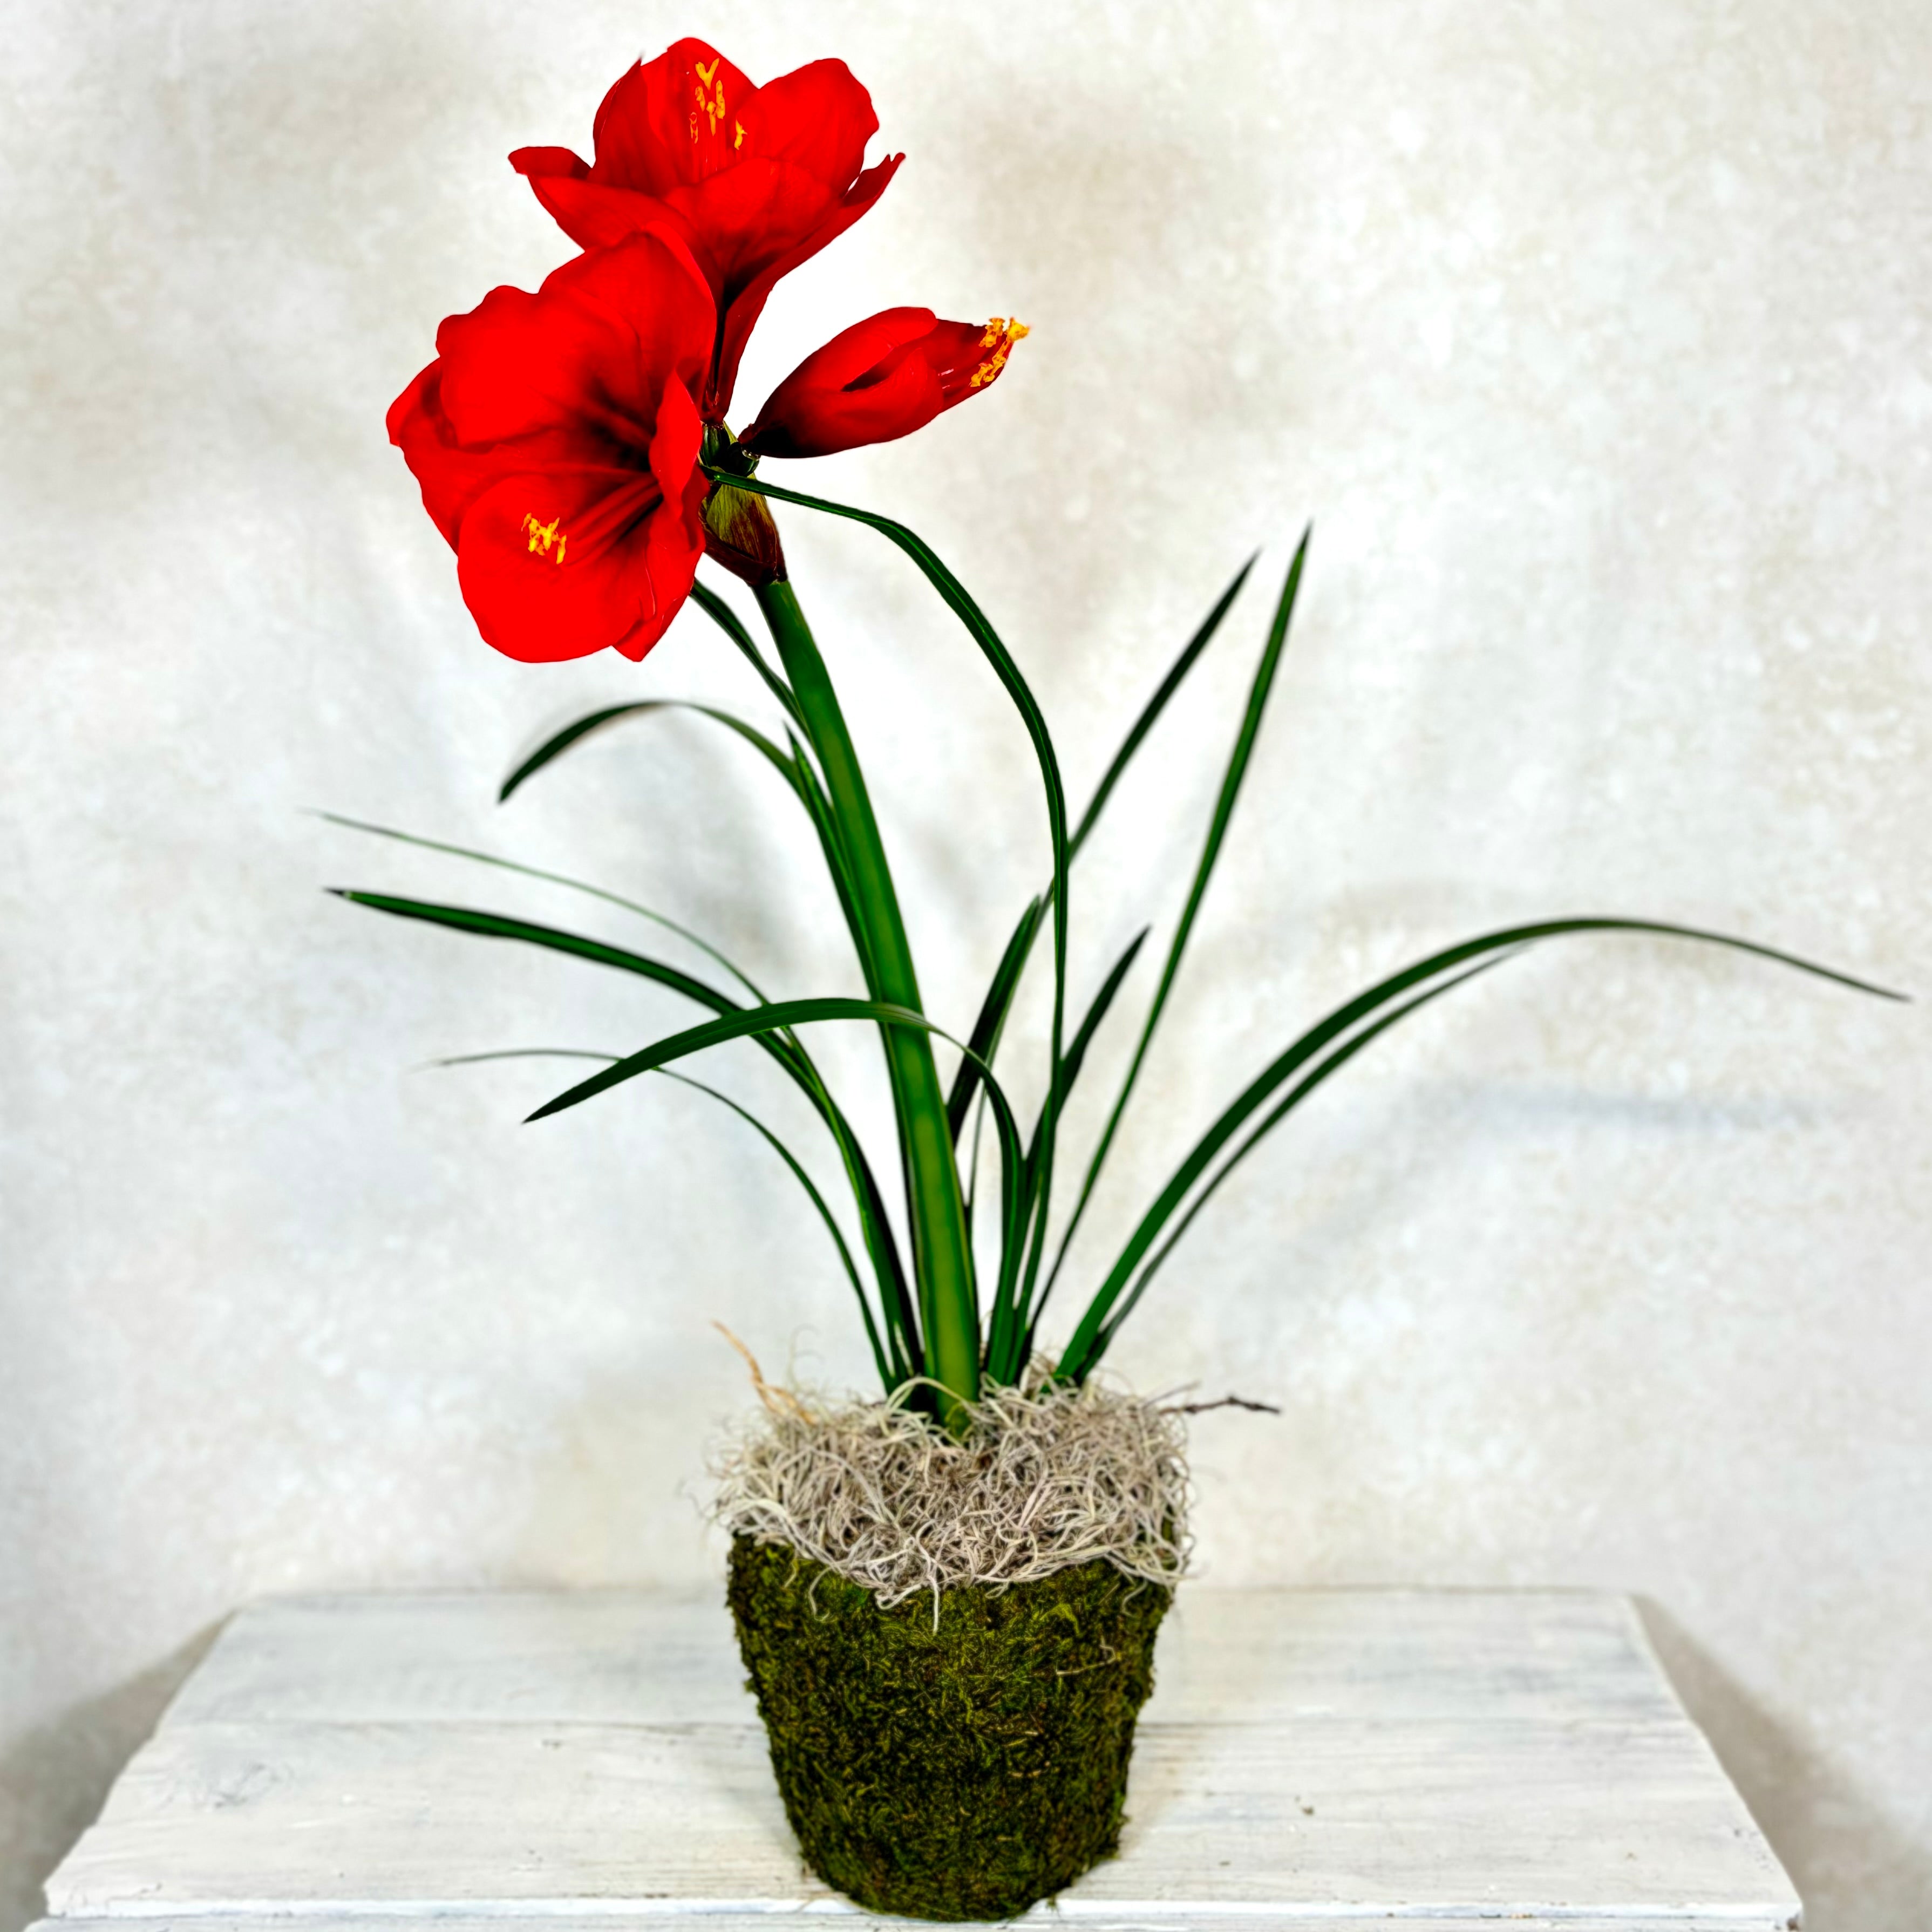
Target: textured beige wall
(1598,340)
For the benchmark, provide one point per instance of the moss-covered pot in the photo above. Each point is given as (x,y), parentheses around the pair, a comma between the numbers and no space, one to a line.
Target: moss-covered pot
(960,1772)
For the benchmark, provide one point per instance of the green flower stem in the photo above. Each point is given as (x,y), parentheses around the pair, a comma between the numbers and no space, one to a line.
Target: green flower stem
(943,1262)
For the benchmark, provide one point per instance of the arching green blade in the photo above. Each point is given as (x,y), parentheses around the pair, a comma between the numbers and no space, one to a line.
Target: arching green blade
(1210,852)
(984,1039)
(1007,977)
(782,1015)
(559,742)
(789,1054)
(960,602)
(727,619)
(1299,1092)
(684,932)
(890,1374)
(1305,1047)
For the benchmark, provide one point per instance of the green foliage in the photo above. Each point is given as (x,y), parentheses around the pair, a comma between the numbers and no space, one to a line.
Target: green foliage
(940,1325)
(954,1760)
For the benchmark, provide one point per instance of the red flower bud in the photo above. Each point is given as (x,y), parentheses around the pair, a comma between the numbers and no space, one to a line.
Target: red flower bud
(882,378)
(753,180)
(556,438)
(740,535)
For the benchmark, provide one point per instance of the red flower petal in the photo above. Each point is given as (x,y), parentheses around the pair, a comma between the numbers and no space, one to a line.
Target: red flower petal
(818,119)
(743,302)
(754,180)
(585,356)
(452,478)
(556,442)
(882,378)
(539,161)
(672,122)
(554,565)
(595,216)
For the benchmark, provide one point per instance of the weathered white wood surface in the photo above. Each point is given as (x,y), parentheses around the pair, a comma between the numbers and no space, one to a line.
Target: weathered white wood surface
(1314,1759)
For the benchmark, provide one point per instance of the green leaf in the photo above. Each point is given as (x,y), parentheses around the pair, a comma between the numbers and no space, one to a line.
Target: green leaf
(985,1038)
(560,742)
(893,1370)
(957,599)
(751,1024)
(684,932)
(1299,1092)
(1210,851)
(783,1015)
(1026,1317)
(880,1241)
(1150,712)
(1013,963)
(727,620)
(1306,1045)
(495,925)
(1083,1038)
(891,1375)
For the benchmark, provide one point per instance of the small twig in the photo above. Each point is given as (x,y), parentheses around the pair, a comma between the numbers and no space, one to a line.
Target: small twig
(1226,1402)
(779,1401)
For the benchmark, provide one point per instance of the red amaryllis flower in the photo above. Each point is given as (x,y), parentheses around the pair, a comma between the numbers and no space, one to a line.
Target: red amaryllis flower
(755,180)
(882,378)
(556,438)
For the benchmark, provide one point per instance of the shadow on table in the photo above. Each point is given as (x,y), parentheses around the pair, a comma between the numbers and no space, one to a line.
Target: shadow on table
(1856,1868)
(53,1783)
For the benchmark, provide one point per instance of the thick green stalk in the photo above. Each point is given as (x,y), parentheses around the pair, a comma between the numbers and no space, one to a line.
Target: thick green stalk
(942,1261)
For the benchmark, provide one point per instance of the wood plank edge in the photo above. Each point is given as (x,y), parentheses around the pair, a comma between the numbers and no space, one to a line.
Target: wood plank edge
(613,1915)
(1112,1921)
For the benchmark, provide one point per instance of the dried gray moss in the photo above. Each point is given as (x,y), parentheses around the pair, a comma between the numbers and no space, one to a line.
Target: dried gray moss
(1042,1479)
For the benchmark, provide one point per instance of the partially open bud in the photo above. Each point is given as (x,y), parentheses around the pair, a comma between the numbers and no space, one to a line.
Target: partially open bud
(882,378)
(739,533)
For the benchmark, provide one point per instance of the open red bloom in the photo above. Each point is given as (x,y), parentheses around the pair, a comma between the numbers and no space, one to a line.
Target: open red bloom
(754,180)
(881,378)
(556,438)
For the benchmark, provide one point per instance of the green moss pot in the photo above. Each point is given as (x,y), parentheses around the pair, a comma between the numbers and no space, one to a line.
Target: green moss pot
(962,1772)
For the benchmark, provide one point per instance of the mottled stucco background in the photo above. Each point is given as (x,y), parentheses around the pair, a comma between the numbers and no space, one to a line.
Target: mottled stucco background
(1594,337)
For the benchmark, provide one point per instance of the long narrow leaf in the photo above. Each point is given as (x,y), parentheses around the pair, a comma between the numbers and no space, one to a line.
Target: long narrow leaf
(891,1374)
(752,1023)
(1090,1024)
(780,1016)
(1008,1326)
(1025,1317)
(553,939)
(1013,963)
(684,932)
(957,599)
(560,742)
(991,1021)
(1299,1092)
(838,864)
(1176,672)
(728,621)
(880,1241)
(1306,1045)
(1203,871)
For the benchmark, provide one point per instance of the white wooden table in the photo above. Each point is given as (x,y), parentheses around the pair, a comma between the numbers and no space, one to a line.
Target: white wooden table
(1311,1759)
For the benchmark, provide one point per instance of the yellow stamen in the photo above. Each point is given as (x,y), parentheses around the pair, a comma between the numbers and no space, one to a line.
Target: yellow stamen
(543,535)
(710,97)
(1000,337)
